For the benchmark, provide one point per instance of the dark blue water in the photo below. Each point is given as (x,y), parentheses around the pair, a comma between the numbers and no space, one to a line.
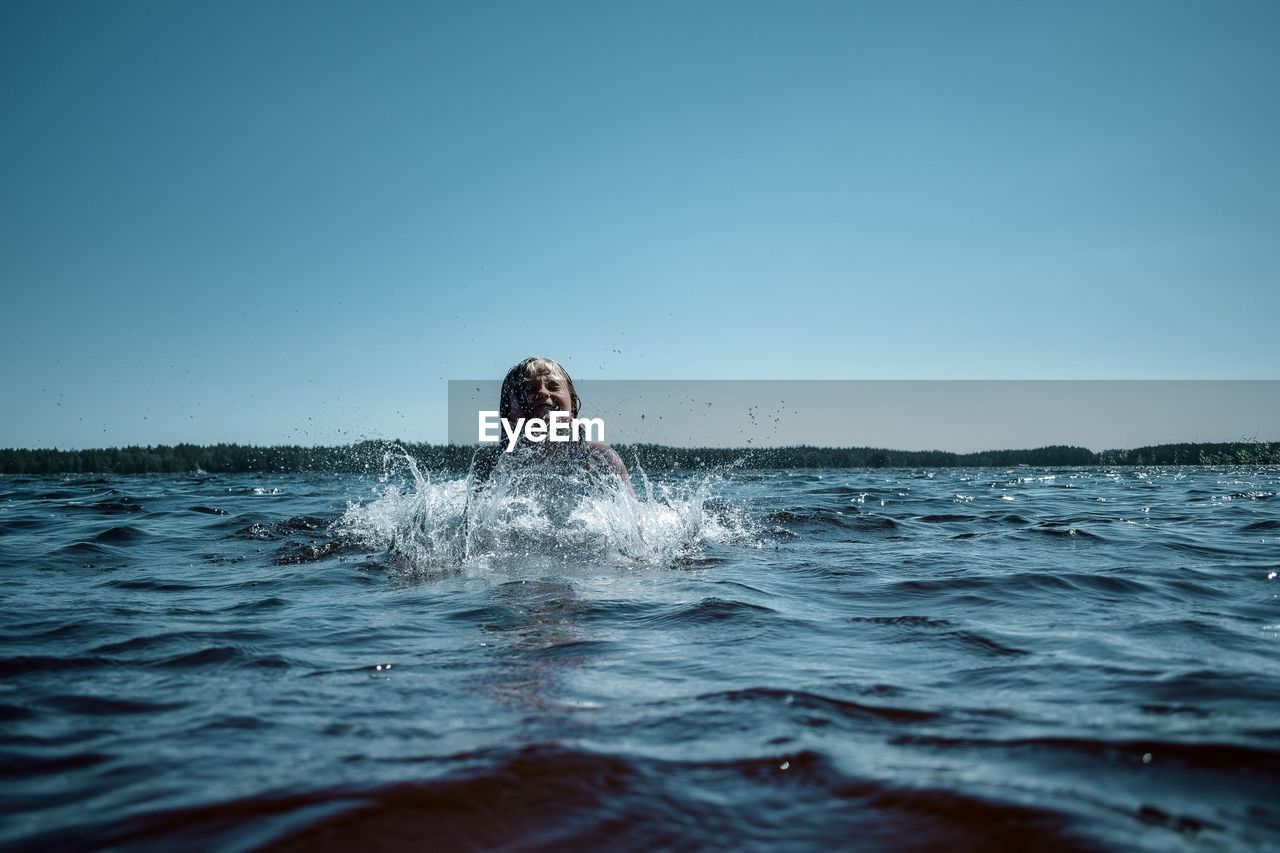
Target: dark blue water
(783,660)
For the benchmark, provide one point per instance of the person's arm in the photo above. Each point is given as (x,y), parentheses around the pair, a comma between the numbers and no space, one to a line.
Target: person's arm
(608,456)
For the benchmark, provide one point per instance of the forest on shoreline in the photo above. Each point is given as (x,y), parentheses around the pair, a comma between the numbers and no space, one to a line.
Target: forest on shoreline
(374,456)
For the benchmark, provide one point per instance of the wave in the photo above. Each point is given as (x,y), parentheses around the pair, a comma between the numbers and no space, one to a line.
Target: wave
(26,664)
(121,535)
(799,700)
(550,796)
(710,611)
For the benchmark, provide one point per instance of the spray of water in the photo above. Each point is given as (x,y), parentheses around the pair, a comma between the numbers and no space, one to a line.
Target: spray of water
(533,515)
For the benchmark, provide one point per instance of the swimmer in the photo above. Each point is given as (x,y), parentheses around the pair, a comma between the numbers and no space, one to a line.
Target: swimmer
(535,388)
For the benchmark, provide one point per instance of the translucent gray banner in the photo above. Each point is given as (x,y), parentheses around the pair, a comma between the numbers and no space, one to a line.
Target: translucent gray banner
(961,416)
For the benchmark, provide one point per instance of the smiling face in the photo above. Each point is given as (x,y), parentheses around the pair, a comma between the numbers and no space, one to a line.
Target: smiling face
(545,389)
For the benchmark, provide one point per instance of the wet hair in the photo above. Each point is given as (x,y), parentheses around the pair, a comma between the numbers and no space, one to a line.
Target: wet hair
(514,384)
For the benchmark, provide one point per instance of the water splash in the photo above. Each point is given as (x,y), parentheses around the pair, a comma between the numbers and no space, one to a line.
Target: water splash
(535,516)
(418,522)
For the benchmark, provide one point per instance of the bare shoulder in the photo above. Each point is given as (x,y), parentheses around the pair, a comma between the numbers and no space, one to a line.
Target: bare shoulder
(606,454)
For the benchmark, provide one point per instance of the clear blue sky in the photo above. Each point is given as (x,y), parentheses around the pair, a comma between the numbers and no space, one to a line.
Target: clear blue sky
(293,222)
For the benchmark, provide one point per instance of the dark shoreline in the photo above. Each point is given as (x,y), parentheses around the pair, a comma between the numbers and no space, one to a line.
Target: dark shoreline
(372,456)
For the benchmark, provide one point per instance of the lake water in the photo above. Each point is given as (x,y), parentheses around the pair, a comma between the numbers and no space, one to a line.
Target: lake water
(879,659)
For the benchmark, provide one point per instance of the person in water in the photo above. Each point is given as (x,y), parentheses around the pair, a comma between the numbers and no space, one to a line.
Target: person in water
(535,388)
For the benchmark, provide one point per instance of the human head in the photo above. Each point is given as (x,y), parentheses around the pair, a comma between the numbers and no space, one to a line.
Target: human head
(513,386)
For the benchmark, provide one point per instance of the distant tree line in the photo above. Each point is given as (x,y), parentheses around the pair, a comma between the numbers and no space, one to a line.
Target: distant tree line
(661,457)
(226,458)
(1250,452)
(373,455)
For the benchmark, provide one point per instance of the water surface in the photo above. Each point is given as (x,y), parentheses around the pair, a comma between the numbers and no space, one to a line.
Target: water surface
(883,659)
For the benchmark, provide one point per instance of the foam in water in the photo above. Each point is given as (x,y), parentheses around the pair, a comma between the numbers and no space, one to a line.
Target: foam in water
(530,515)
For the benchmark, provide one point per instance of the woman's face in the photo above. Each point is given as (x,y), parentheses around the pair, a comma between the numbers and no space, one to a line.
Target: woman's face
(545,391)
